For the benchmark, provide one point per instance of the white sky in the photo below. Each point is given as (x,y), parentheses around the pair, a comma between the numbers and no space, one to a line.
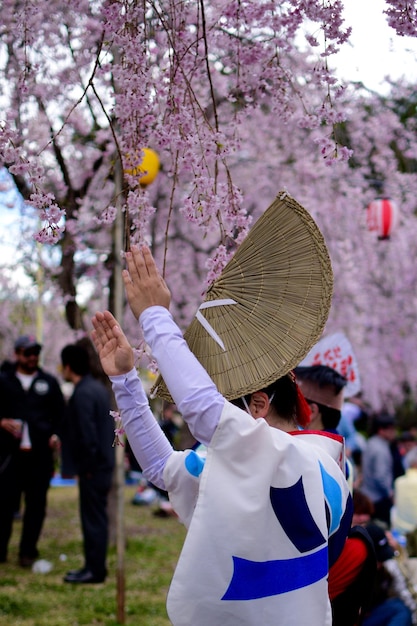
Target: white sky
(375,50)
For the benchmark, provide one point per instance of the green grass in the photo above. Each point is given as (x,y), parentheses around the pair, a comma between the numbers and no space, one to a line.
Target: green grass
(153,545)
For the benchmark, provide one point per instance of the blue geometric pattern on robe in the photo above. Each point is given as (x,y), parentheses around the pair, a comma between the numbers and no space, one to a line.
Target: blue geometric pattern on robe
(333,495)
(194,464)
(291,508)
(253,580)
(339,518)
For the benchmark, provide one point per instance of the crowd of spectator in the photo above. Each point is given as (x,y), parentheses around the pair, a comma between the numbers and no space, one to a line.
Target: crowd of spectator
(37,424)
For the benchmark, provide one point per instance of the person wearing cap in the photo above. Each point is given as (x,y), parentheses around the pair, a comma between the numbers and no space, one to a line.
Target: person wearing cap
(31,409)
(268,510)
(378,466)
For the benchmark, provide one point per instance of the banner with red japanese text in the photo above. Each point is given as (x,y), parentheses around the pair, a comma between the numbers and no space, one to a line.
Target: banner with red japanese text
(336,352)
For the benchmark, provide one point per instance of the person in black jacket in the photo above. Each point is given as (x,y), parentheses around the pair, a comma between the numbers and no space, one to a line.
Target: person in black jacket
(91,435)
(31,410)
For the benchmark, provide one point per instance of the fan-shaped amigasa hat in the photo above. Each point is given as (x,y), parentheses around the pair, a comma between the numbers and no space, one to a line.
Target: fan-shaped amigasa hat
(268,307)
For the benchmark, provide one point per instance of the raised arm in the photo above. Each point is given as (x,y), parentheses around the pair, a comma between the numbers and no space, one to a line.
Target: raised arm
(112,346)
(144,285)
(192,389)
(148,442)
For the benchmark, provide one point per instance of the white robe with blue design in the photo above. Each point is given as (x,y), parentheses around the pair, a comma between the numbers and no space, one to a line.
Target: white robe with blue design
(260,512)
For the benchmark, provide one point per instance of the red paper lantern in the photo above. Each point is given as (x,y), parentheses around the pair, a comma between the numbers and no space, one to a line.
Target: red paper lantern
(382,217)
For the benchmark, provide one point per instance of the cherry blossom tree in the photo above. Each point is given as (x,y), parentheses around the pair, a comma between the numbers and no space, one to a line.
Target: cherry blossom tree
(239,100)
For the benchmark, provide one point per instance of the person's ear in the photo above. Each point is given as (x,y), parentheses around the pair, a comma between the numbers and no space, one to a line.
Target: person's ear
(259,404)
(315,411)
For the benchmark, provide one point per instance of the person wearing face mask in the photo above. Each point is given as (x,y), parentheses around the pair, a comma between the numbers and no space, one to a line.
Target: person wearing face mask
(31,409)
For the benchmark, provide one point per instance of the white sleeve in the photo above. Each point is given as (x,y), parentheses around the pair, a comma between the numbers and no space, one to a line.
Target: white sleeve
(191,388)
(148,442)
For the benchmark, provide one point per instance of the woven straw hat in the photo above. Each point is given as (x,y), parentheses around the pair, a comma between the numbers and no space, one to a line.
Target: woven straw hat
(268,307)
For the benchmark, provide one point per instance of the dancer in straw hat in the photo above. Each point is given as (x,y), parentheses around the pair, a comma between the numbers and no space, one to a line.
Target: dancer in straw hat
(267,511)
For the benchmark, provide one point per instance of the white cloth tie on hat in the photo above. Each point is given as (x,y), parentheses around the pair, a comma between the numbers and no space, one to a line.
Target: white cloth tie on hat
(209,328)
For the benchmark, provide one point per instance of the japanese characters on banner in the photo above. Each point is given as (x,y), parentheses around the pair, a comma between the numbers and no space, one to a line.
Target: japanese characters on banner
(336,352)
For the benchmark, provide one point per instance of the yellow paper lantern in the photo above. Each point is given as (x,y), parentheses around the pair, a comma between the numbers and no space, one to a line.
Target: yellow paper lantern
(147,169)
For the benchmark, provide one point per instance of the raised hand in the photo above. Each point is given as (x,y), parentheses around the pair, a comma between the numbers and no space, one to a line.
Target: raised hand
(114,350)
(144,285)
